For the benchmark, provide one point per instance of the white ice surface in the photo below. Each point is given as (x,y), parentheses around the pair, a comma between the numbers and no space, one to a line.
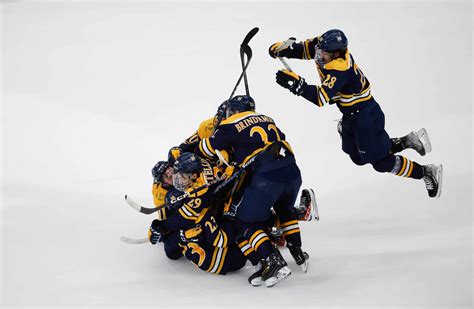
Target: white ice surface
(94,93)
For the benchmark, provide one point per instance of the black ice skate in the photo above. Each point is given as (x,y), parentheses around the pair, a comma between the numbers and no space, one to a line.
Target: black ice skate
(301,258)
(256,278)
(433,178)
(417,140)
(274,269)
(307,209)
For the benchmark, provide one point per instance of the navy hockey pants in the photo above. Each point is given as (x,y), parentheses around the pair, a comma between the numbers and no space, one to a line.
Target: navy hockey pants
(274,183)
(364,137)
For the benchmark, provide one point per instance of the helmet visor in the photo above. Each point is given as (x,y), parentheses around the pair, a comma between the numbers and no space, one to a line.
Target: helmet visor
(182,181)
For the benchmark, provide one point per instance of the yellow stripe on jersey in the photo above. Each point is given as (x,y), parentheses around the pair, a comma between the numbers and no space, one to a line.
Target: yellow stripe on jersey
(204,148)
(349,100)
(213,261)
(188,213)
(356,101)
(201,215)
(208,145)
(254,153)
(222,260)
(326,97)
(218,259)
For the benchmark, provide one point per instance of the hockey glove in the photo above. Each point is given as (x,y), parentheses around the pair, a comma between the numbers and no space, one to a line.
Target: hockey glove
(154,232)
(173,154)
(275,52)
(291,81)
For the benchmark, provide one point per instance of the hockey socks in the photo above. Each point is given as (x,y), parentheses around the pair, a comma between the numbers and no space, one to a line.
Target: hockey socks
(406,168)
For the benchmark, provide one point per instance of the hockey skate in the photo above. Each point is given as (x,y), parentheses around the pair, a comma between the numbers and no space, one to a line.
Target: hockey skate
(274,269)
(433,178)
(256,278)
(417,140)
(301,258)
(308,208)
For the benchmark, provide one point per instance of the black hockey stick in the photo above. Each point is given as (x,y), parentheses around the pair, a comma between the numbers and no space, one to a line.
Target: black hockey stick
(223,180)
(247,51)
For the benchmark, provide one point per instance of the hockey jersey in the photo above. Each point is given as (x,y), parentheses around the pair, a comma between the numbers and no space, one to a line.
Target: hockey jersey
(246,134)
(213,248)
(342,81)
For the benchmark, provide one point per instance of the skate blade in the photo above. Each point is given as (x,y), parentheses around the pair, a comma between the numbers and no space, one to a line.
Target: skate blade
(314,206)
(257,282)
(282,274)
(439,175)
(305,266)
(425,139)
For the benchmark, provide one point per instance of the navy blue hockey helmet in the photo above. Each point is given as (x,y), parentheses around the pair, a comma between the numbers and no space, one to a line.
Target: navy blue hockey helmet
(158,170)
(239,104)
(332,40)
(187,162)
(185,166)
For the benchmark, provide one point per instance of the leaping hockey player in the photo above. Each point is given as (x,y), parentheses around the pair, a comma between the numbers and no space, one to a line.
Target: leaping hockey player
(362,130)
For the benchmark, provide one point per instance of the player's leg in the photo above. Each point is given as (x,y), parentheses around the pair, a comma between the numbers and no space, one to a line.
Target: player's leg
(348,140)
(256,278)
(172,249)
(416,140)
(289,218)
(371,135)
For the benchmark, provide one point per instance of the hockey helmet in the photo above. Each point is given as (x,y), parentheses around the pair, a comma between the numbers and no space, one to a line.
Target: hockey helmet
(332,40)
(239,104)
(185,166)
(159,170)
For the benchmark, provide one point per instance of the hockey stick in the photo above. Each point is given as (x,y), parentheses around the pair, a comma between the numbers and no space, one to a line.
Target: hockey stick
(148,211)
(223,179)
(133,241)
(245,50)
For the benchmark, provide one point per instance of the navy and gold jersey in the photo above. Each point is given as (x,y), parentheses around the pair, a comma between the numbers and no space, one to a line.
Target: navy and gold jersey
(159,194)
(215,251)
(245,134)
(342,81)
(193,204)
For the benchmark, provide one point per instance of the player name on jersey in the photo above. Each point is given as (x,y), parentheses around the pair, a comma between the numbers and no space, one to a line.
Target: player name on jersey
(241,125)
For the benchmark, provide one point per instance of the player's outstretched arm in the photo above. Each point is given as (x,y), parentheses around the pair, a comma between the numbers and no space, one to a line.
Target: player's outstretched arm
(301,50)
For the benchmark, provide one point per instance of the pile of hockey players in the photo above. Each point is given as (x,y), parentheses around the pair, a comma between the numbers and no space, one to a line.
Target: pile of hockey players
(202,227)
(226,195)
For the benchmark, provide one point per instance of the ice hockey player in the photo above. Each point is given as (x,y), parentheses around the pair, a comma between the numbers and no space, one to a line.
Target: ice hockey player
(273,181)
(215,249)
(162,187)
(362,130)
